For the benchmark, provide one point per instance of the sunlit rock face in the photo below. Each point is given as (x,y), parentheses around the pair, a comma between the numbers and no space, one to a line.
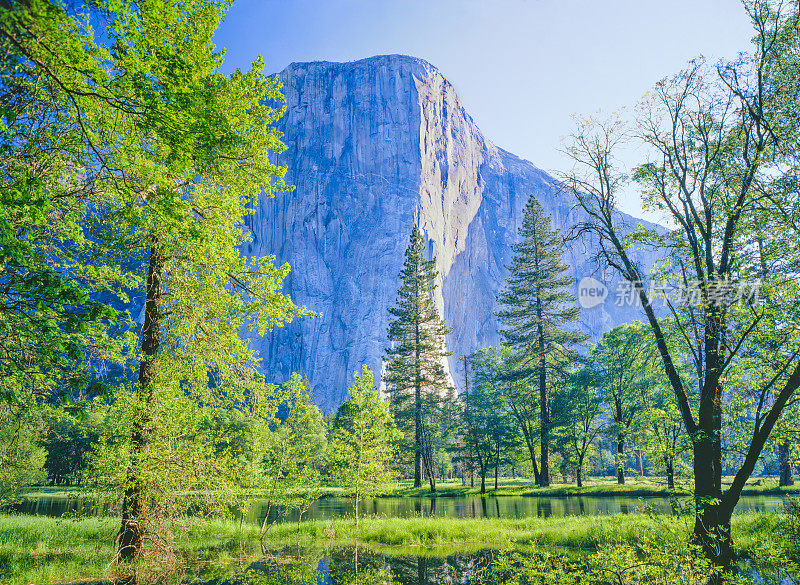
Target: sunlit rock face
(373,146)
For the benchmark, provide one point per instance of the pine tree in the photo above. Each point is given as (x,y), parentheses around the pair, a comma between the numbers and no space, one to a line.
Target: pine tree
(415,377)
(538,310)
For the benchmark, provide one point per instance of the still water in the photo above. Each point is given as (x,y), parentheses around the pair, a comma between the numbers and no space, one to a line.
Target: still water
(319,565)
(360,566)
(349,566)
(448,507)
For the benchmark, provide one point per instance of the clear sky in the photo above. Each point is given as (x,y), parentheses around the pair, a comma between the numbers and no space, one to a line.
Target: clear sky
(521,67)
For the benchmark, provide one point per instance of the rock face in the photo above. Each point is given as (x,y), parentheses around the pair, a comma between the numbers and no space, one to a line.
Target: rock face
(373,146)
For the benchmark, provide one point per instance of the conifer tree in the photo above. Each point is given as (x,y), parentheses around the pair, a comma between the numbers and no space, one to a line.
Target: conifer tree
(538,310)
(415,377)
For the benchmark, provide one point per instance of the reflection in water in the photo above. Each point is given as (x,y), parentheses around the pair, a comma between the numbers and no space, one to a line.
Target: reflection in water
(505,507)
(354,566)
(450,507)
(357,566)
(344,566)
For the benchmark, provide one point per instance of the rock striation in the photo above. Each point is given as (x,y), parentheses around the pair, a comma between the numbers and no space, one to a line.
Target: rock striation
(373,146)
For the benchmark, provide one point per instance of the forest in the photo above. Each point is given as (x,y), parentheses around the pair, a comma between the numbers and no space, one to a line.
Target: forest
(128,387)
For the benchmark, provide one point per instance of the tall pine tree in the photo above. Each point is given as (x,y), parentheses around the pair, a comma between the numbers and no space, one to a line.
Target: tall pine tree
(415,378)
(538,310)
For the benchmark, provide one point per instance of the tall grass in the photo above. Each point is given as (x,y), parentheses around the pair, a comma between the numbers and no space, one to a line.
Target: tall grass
(49,550)
(35,549)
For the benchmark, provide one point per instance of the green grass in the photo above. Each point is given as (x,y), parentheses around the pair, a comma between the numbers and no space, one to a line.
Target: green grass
(35,549)
(40,549)
(445,534)
(594,486)
(48,550)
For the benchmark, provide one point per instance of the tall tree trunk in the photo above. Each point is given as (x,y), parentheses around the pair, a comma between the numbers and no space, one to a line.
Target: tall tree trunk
(532,450)
(670,464)
(712,527)
(579,472)
(620,443)
(544,412)
(417,414)
(639,462)
(785,464)
(496,465)
(483,478)
(131,533)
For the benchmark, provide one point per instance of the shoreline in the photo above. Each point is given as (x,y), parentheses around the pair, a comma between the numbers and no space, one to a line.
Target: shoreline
(39,549)
(452,490)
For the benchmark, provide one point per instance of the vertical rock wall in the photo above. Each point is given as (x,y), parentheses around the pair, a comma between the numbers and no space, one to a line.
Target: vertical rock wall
(373,146)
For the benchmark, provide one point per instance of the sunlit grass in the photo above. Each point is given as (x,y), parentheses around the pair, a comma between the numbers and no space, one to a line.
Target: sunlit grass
(593,486)
(35,549)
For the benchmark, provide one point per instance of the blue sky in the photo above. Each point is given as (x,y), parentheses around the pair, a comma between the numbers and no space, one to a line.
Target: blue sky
(521,67)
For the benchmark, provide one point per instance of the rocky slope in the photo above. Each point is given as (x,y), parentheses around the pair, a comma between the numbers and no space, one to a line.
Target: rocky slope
(373,146)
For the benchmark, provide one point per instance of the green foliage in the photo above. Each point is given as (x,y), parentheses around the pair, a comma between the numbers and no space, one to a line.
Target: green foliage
(58,250)
(576,414)
(539,315)
(289,450)
(622,370)
(183,466)
(131,155)
(69,442)
(363,440)
(415,377)
(57,243)
(491,431)
(21,458)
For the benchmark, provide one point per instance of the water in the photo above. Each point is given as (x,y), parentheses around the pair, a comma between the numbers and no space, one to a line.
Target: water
(360,566)
(447,507)
(321,565)
(512,507)
(343,566)
(348,566)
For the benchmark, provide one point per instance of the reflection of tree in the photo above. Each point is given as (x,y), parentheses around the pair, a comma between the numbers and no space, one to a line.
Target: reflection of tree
(348,567)
(422,570)
(301,565)
(282,568)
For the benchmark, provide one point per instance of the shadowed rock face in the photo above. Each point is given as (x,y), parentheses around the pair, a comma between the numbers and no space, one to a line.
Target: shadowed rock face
(373,146)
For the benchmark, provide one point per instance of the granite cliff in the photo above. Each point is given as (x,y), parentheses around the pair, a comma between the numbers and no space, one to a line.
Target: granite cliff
(373,146)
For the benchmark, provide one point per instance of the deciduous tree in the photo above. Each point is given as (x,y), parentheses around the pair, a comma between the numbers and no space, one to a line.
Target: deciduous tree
(363,440)
(720,140)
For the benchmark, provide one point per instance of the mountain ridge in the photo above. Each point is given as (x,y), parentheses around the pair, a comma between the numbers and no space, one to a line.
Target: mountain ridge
(373,146)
